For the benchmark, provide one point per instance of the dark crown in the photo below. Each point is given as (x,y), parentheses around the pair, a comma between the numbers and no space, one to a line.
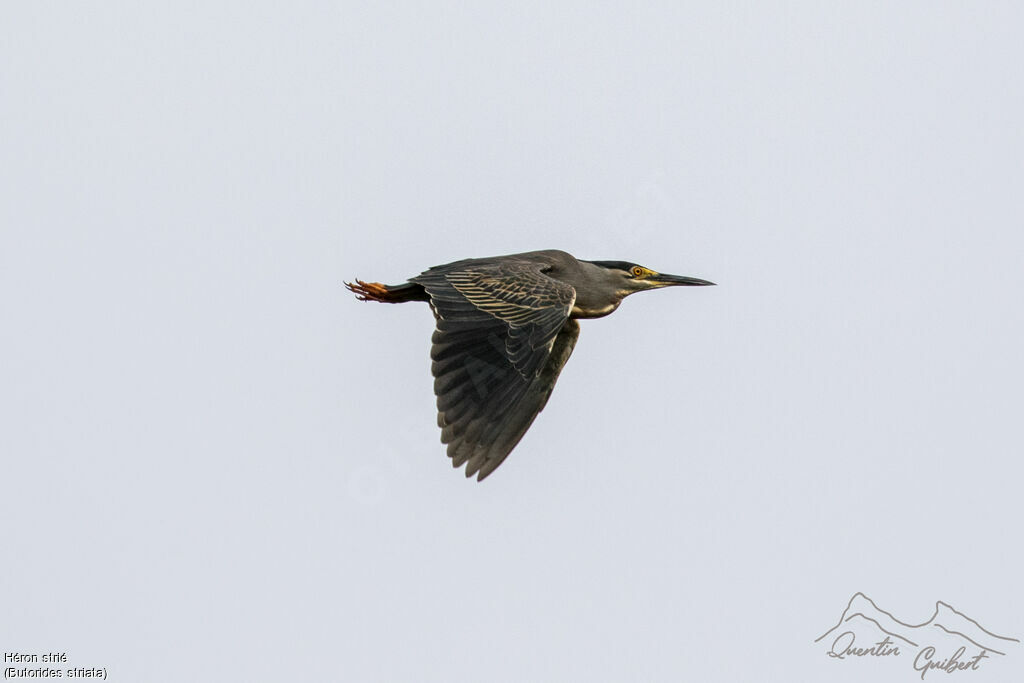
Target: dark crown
(617,265)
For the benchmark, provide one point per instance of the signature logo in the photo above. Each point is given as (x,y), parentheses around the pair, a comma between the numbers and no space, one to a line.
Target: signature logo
(949,642)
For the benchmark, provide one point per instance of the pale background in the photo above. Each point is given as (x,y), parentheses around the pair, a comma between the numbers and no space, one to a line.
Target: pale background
(217,465)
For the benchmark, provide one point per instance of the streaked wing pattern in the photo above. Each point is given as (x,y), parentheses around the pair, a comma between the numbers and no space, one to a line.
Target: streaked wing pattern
(503,334)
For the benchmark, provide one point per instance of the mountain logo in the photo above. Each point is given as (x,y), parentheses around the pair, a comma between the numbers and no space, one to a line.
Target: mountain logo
(950,641)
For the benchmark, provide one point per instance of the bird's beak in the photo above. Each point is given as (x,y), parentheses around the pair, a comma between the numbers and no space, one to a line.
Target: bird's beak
(663,280)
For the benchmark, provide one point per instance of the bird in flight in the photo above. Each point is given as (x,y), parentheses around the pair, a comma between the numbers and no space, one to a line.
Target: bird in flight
(506,325)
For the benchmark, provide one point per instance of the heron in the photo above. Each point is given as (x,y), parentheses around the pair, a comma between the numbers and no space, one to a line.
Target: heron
(505,327)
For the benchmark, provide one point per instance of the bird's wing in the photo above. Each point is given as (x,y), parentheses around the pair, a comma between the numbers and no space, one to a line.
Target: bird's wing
(503,334)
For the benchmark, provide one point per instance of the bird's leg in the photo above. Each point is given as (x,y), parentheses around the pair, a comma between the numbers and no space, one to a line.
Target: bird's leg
(389,294)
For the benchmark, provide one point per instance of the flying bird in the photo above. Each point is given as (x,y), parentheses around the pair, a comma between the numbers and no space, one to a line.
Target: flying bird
(506,326)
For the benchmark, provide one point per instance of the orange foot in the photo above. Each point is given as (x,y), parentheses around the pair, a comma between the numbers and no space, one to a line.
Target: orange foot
(369,291)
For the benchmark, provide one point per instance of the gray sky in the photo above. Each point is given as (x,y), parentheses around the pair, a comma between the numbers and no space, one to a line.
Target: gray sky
(220,466)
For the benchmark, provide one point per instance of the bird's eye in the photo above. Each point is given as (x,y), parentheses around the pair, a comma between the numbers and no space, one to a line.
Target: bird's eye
(638,272)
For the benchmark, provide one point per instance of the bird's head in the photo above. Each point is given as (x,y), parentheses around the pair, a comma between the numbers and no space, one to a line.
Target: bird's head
(632,277)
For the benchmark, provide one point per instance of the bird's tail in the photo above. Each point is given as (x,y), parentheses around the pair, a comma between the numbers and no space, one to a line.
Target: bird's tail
(389,294)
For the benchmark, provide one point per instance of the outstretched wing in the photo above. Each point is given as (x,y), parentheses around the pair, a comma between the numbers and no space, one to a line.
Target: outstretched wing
(503,334)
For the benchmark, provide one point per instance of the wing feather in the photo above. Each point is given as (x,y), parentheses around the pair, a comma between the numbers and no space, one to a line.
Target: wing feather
(492,353)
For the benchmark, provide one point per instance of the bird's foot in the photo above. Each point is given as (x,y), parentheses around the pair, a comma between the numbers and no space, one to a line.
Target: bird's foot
(368,291)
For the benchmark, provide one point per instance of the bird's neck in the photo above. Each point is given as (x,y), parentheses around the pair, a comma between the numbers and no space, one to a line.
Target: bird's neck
(600,294)
(583,310)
